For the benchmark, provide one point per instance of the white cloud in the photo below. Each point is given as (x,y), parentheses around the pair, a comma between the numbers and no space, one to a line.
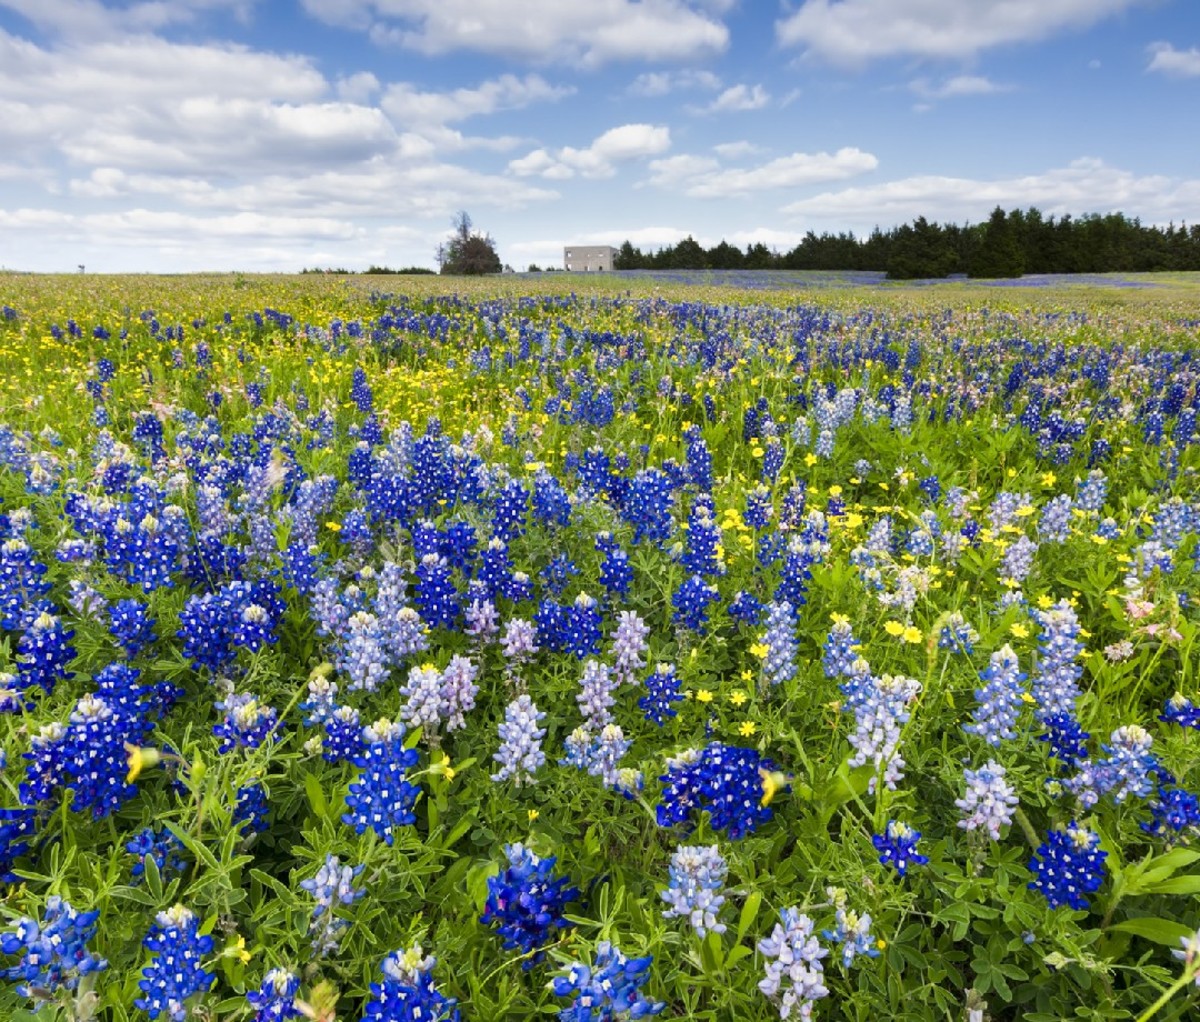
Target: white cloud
(959,85)
(548,31)
(736,150)
(409,106)
(739,97)
(617,145)
(358,88)
(702,178)
(660,83)
(856,31)
(1085,185)
(1177,63)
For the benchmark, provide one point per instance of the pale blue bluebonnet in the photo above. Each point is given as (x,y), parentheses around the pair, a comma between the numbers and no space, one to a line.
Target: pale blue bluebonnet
(628,647)
(879,717)
(989,801)
(794,977)
(851,930)
(520,755)
(697,886)
(1000,699)
(779,665)
(333,885)
(1054,525)
(595,696)
(1056,685)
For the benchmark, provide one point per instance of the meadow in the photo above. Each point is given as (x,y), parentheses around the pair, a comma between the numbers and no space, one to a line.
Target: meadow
(742,646)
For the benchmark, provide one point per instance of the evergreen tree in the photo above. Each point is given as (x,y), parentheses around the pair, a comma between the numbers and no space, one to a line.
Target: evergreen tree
(999,253)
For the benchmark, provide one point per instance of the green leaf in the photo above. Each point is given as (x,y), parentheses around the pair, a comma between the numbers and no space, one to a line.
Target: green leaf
(749,912)
(316,796)
(1160,931)
(1189,884)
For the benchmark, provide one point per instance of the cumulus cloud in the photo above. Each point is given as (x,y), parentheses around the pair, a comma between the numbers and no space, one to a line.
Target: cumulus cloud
(600,159)
(1167,60)
(703,178)
(547,31)
(660,83)
(1085,185)
(857,31)
(410,106)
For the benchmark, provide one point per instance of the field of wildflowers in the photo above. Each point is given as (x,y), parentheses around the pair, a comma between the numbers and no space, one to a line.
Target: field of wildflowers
(646,649)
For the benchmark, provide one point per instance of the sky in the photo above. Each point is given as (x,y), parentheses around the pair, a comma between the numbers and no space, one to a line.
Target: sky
(264,135)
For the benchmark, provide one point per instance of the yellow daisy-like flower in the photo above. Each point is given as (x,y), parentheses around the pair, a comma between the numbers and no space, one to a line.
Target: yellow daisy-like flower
(757,452)
(747,675)
(533,814)
(760,650)
(704,695)
(334,526)
(1049,478)
(894,628)
(737,698)
(747,728)
(912,634)
(1019,630)
(810,459)
(1044,601)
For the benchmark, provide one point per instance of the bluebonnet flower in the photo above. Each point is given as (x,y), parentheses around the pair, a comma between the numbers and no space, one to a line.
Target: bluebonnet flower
(604,756)
(957,634)
(85,601)
(779,665)
(54,953)
(551,503)
(581,634)
(648,506)
(691,602)
(1003,510)
(360,390)
(558,573)
(1017,561)
(1125,771)
(696,890)
(1090,493)
(402,635)
(989,800)
(247,724)
(699,458)
(1067,739)
(897,846)
(746,608)
(608,990)
(423,695)
(595,696)
(159,845)
(407,992)
(616,574)
(1068,865)
(999,700)
(1182,711)
(275,1000)
(1107,528)
(458,689)
(333,885)
(1174,812)
(508,519)
(15,826)
(662,689)
(550,620)
(880,712)
(526,903)
(851,930)
(726,781)
(43,652)
(436,596)
(131,625)
(794,976)
(176,972)
(628,647)
(1056,685)
(838,652)
(519,643)
(383,798)
(703,539)
(251,811)
(520,755)
(343,735)
(363,656)
(1054,526)
(482,621)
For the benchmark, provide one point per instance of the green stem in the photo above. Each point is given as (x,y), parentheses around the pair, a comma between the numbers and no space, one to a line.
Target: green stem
(1031,835)
(1189,974)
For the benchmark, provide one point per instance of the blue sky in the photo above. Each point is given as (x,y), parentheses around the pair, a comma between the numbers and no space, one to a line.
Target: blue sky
(176,135)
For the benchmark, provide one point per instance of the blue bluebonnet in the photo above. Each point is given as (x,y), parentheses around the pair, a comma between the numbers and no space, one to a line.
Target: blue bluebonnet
(247,724)
(131,625)
(1090,493)
(16,827)
(360,390)
(746,608)
(363,656)
(382,798)
(696,890)
(794,975)
(1066,738)
(662,689)
(212,625)
(703,539)
(436,596)
(616,574)
(1000,699)
(558,573)
(159,845)
(176,972)
(581,634)
(275,1000)
(897,846)
(956,634)
(699,458)
(838,652)
(1174,811)
(333,885)
(691,602)
(43,653)
(1125,770)
(520,755)
(648,506)
(1182,711)
(22,583)
(526,903)
(851,930)
(251,810)
(551,503)
(54,953)
(724,780)
(989,801)
(779,665)
(343,736)
(607,990)
(1068,866)
(407,992)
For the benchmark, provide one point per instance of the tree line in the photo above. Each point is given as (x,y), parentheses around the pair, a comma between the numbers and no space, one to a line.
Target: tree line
(1005,245)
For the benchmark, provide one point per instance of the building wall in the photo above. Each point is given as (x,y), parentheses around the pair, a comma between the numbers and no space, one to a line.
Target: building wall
(589,258)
